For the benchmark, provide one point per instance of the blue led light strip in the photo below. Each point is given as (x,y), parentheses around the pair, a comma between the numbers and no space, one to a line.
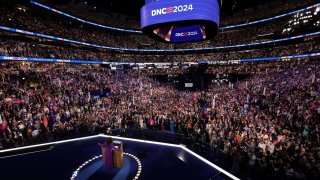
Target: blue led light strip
(138,31)
(152,50)
(278,58)
(73,61)
(49,60)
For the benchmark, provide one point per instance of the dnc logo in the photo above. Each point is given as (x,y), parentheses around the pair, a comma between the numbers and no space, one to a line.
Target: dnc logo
(183,34)
(172,9)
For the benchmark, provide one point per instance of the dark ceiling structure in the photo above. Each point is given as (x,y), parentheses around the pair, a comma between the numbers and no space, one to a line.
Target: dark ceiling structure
(132,7)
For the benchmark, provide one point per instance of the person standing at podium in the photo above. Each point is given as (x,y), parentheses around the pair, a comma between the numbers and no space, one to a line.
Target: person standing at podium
(107,149)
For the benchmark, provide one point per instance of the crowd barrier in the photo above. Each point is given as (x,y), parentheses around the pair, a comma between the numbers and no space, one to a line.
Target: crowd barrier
(138,31)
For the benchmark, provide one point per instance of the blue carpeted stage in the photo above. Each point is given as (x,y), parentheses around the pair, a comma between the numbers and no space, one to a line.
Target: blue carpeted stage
(158,161)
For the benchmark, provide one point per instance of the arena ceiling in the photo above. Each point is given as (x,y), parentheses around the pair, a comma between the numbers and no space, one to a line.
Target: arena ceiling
(132,7)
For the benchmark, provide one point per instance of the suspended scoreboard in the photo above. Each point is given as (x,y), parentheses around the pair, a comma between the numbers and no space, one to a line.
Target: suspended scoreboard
(180,20)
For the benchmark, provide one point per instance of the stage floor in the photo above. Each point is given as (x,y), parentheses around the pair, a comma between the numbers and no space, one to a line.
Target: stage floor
(158,162)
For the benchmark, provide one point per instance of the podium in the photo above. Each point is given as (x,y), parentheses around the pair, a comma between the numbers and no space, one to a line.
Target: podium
(117,156)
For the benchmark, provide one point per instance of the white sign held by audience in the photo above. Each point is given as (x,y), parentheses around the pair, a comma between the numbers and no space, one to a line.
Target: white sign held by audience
(214,101)
(132,99)
(313,78)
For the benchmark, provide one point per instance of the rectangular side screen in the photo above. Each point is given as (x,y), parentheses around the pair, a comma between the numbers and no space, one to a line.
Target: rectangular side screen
(188,33)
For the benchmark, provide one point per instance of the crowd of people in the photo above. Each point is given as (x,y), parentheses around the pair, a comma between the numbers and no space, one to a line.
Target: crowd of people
(32,49)
(272,116)
(10,47)
(268,120)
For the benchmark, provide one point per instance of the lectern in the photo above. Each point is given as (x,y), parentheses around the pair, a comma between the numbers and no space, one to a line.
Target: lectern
(118,155)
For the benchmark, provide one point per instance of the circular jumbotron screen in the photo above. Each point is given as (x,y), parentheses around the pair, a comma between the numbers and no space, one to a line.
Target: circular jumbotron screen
(180,20)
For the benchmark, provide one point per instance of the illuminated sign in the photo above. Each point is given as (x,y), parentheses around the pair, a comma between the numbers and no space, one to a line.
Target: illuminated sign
(172,9)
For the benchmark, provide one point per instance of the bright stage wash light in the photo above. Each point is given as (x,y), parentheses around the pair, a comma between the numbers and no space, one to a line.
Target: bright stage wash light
(180,20)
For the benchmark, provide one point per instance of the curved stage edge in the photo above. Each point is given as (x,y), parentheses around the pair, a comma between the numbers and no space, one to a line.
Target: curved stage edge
(159,160)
